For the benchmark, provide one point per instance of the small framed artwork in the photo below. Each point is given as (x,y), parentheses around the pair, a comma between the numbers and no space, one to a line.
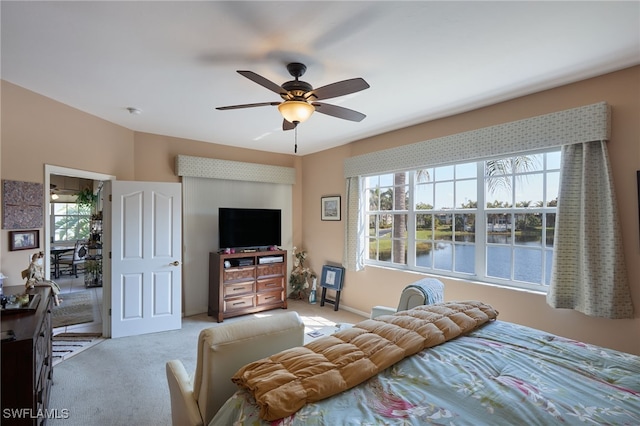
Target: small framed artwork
(332,277)
(330,208)
(24,240)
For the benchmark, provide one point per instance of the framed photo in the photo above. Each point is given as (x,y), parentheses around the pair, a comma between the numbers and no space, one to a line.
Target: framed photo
(24,240)
(332,277)
(330,208)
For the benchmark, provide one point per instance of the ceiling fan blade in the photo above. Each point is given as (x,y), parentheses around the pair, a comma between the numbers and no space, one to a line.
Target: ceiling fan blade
(256,78)
(339,88)
(248,105)
(286,125)
(337,111)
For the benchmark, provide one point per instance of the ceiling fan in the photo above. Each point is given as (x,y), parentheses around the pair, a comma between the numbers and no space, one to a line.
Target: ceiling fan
(300,98)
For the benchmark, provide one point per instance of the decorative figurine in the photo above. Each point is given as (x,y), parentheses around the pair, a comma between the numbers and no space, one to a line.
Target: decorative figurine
(35,275)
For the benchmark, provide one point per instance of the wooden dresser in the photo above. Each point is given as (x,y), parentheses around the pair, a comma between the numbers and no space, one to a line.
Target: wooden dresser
(244,283)
(27,369)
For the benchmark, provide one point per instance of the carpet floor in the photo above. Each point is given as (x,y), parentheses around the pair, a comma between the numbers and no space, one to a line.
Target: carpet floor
(122,382)
(76,308)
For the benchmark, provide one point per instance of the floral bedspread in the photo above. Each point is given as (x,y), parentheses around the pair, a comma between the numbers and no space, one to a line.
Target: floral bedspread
(500,374)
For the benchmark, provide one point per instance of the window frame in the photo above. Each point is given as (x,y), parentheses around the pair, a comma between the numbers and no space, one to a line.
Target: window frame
(482,247)
(78,226)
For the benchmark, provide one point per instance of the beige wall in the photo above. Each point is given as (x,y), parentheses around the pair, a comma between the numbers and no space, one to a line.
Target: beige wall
(380,286)
(36,130)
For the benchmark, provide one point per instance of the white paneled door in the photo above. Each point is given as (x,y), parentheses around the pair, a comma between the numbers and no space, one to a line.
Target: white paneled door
(146,264)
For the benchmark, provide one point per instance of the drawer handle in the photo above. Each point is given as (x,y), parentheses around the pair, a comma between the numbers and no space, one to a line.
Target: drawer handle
(238,303)
(238,288)
(270,297)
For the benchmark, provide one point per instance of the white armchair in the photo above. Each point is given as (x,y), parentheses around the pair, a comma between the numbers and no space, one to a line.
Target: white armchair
(222,350)
(426,291)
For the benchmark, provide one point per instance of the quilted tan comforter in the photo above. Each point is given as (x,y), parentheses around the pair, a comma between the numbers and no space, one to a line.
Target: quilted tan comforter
(283,383)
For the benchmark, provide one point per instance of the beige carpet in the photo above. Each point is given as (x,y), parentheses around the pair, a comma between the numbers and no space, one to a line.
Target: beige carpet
(76,308)
(122,382)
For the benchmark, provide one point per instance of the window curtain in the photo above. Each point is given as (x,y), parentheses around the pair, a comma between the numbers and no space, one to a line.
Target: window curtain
(588,272)
(354,228)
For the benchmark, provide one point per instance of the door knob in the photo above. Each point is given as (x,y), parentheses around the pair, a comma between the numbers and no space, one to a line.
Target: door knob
(175,263)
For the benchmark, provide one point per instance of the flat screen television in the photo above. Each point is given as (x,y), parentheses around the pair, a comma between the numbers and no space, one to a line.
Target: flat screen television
(249,228)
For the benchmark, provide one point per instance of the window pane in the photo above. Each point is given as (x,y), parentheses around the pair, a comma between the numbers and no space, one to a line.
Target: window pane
(551,228)
(499,262)
(401,198)
(424,196)
(386,199)
(468,170)
(465,226)
(466,194)
(444,195)
(444,227)
(443,173)
(553,184)
(529,190)
(498,191)
(528,163)
(528,265)
(423,227)
(374,199)
(465,258)
(443,257)
(423,254)
(499,228)
(553,160)
(386,180)
(528,229)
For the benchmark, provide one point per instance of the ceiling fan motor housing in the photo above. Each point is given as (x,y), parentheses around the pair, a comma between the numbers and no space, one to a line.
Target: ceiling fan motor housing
(296,89)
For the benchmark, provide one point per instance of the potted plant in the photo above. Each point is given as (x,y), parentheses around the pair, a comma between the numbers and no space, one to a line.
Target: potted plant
(300,276)
(86,197)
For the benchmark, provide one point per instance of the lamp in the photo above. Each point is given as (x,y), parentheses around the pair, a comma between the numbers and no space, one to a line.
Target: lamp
(296,111)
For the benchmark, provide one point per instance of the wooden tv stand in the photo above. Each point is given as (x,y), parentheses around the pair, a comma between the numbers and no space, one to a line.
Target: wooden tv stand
(252,282)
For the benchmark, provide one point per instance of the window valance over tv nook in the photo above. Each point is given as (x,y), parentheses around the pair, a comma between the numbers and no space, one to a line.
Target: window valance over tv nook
(233,170)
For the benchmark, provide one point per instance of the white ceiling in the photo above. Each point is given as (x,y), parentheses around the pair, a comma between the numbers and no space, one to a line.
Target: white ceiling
(176,61)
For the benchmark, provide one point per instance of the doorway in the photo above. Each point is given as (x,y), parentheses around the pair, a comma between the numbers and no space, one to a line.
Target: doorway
(70,283)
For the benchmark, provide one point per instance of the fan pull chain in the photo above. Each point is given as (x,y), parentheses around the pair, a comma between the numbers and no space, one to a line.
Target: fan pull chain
(295,149)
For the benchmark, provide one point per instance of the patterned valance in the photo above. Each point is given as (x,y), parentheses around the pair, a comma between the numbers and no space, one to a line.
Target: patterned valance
(577,125)
(233,170)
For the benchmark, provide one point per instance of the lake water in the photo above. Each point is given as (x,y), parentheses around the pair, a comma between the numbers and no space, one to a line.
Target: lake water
(527,265)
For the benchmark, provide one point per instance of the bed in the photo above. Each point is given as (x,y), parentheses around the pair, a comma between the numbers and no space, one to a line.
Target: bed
(498,373)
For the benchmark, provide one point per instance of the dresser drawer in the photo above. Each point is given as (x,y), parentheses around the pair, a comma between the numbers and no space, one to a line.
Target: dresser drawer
(233,290)
(270,269)
(269,298)
(267,284)
(238,303)
(239,274)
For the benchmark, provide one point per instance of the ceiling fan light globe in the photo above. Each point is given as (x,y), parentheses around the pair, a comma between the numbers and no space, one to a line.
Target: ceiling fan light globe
(296,111)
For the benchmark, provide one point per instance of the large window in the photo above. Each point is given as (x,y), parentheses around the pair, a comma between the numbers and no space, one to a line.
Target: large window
(490,220)
(71,221)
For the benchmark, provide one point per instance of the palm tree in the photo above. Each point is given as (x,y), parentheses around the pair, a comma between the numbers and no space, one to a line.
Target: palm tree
(497,172)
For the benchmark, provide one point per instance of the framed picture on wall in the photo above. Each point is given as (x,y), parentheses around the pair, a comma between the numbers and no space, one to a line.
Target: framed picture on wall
(24,240)
(330,208)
